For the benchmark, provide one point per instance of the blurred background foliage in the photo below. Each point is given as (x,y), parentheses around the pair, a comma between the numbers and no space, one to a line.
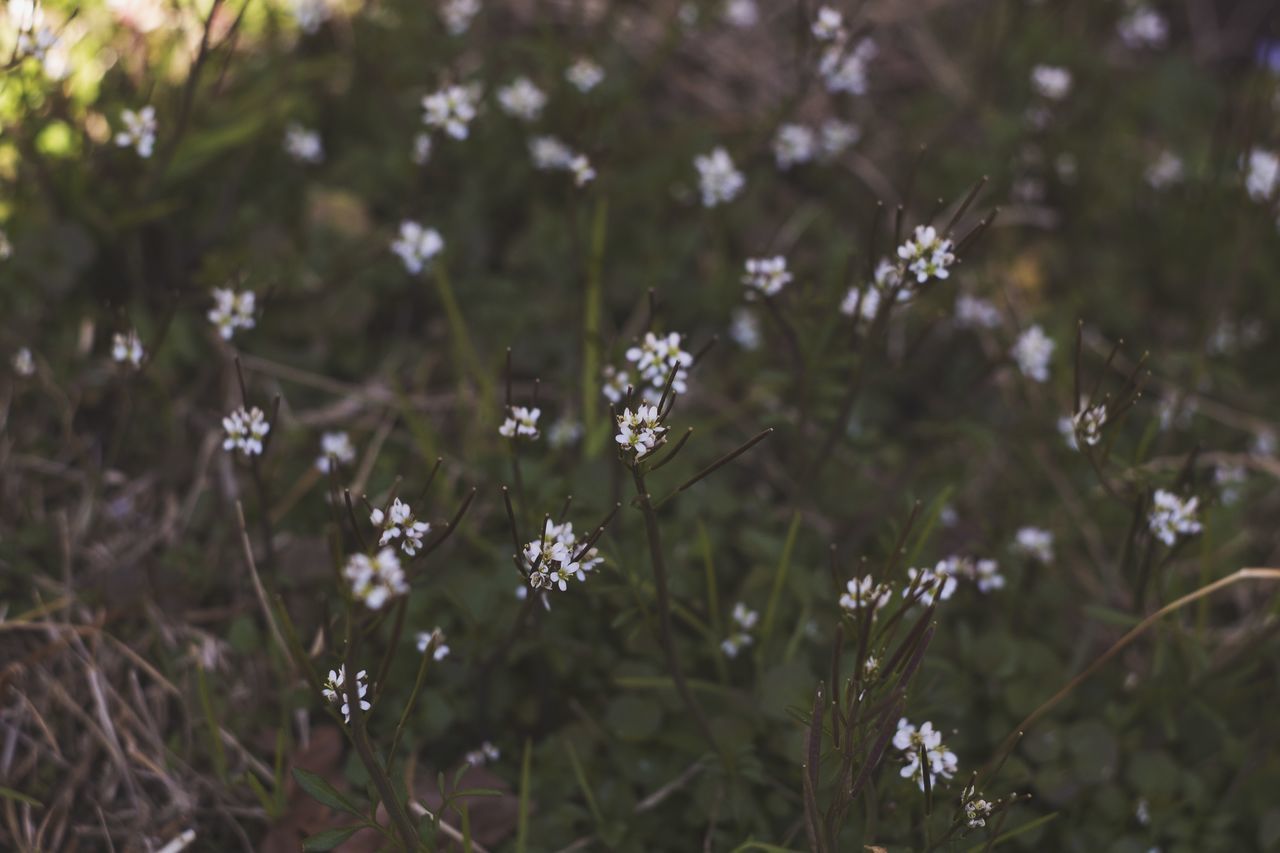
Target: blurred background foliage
(118,503)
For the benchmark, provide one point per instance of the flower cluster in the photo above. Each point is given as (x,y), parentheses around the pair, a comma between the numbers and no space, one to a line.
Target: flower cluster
(866,593)
(139,131)
(559,556)
(984,573)
(1143,27)
(926,255)
(451,109)
(520,422)
(375,580)
(550,154)
(976,313)
(719,181)
(486,753)
(335,690)
(245,431)
(232,310)
(911,741)
(794,144)
(1172,515)
(416,246)
(926,585)
(522,99)
(126,348)
(744,620)
(654,358)
(766,276)
(1165,170)
(23,362)
(458,14)
(434,640)
(639,432)
(1035,543)
(334,447)
(1088,423)
(584,75)
(311,15)
(398,522)
(303,145)
(1051,82)
(843,68)
(616,383)
(976,809)
(1262,174)
(1032,352)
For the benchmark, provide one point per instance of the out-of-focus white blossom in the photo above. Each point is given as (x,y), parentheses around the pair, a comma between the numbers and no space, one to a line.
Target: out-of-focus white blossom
(245,428)
(1032,352)
(583,172)
(311,15)
(565,432)
(334,446)
(335,690)
(1262,174)
(834,136)
(435,640)
(126,348)
(451,109)
(744,329)
(399,523)
(865,301)
(421,153)
(1165,170)
(375,580)
(521,422)
(23,362)
(828,25)
(976,313)
(742,13)
(550,153)
(1229,479)
(485,754)
(986,575)
(745,620)
(584,75)
(654,357)
(794,144)
(844,70)
(417,246)
(1051,82)
(615,383)
(139,131)
(458,15)
(1143,27)
(522,99)
(1067,429)
(718,180)
(303,145)
(766,276)
(1035,542)
(232,310)
(1172,516)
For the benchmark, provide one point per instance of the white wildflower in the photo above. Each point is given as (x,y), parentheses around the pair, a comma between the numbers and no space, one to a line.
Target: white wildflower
(584,75)
(522,422)
(23,362)
(139,131)
(742,13)
(1229,479)
(911,741)
(458,14)
(1089,421)
(1067,429)
(654,358)
(245,428)
(1143,27)
(986,575)
(435,640)
(1035,542)
(311,15)
(976,809)
(565,432)
(719,181)
(835,136)
(744,328)
(416,245)
(1165,170)
(522,99)
(232,310)
(1051,82)
(398,522)
(375,580)
(616,383)
(303,145)
(794,144)
(450,109)
(550,153)
(335,690)
(1032,352)
(766,276)
(583,173)
(926,585)
(846,70)
(334,447)
(558,556)
(927,255)
(421,153)
(641,431)
(976,313)
(1172,515)
(486,753)
(1262,174)
(828,25)
(864,301)
(862,594)
(126,348)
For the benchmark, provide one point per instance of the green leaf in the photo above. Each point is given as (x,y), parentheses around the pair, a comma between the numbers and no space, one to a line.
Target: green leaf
(331,838)
(323,792)
(10,794)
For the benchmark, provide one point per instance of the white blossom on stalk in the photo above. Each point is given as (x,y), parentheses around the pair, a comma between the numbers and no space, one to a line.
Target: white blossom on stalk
(845,71)
(335,690)
(522,422)
(865,594)
(1032,352)
(794,144)
(139,131)
(766,276)
(828,25)
(522,99)
(549,153)
(1067,429)
(398,522)
(1262,174)
(232,310)
(126,348)
(1034,542)
(334,447)
(416,245)
(744,328)
(303,145)
(458,15)
(865,301)
(23,362)
(486,753)
(433,639)
(911,741)
(744,619)
(1172,516)
(641,431)
(719,181)
(835,136)
(584,75)
(557,557)
(927,255)
(1143,27)
(375,580)
(976,809)
(742,13)
(1051,82)
(986,575)
(311,15)
(616,383)
(564,432)
(245,428)
(421,153)
(1088,423)
(654,357)
(976,313)
(926,585)
(583,172)
(450,109)
(1164,171)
